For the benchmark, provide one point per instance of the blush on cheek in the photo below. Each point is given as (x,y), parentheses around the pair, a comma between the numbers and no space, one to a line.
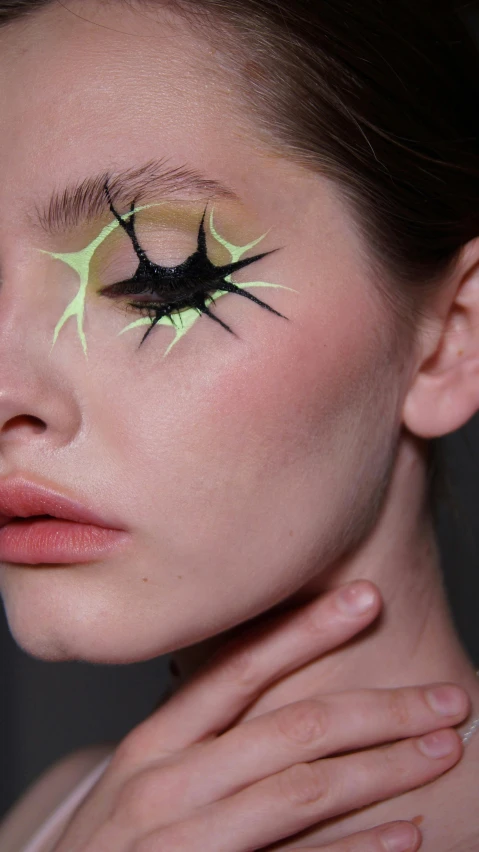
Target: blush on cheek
(286,398)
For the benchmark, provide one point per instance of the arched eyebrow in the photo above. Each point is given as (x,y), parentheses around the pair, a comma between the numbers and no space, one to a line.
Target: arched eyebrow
(85,201)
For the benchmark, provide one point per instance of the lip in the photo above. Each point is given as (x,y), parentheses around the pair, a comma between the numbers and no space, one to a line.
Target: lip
(21,498)
(71,533)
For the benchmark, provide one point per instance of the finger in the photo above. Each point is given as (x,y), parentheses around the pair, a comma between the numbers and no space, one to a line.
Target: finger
(306,794)
(238,674)
(296,733)
(394,837)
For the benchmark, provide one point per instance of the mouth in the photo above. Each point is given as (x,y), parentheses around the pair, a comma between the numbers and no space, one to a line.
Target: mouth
(6,520)
(43,539)
(39,525)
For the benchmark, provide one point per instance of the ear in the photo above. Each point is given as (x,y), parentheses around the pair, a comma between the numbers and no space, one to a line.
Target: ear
(444,390)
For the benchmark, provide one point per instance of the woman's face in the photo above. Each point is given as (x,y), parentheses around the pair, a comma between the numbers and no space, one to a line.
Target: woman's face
(239,465)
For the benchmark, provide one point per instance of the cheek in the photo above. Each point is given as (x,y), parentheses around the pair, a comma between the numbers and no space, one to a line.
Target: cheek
(243,467)
(249,453)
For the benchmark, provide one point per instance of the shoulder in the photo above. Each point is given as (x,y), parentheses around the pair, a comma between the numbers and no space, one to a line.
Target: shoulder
(47,793)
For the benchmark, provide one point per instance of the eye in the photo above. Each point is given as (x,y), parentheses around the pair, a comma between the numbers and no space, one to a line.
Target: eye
(162,291)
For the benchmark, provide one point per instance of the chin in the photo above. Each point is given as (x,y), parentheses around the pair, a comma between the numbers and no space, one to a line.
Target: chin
(56,625)
(55,628)
(83,641)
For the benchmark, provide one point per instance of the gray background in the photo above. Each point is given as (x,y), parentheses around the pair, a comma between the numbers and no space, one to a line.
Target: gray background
(49,709)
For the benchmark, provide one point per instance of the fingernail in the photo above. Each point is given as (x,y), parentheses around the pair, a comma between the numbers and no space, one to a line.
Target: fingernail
(399,838)
(356,599)
(445,700)
(439,744)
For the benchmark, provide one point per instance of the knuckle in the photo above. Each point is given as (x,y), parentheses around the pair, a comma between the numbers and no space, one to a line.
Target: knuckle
(150,844)
(364,842)
(303,722)
(133,803)
(352,844)
(302,784)
(241,668)
(399,709)
(174,839)
(134,747)
(124,753)
(314,627)
(366,776)
(395,764)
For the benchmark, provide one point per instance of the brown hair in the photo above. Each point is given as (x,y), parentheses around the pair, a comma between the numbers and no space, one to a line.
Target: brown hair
(381,96)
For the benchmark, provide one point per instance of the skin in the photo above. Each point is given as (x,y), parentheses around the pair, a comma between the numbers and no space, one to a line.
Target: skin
(253,471)
(182,322)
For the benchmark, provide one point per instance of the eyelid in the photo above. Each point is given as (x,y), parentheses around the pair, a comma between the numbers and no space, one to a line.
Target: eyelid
(127,287)
(165,247)
(189,285)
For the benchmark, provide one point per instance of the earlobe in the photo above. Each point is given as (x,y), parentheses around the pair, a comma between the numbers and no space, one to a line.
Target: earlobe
(444,392)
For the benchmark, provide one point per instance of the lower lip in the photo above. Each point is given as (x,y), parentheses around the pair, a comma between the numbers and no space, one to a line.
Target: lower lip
(33,541)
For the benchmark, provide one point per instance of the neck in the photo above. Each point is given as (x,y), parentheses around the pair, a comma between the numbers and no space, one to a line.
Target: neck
(412,642)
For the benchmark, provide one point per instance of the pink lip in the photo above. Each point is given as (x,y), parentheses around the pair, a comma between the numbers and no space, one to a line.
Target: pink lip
(72,533)
(20,498)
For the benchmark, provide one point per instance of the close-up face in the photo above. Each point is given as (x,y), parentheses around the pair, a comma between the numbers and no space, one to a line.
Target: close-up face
(191,345)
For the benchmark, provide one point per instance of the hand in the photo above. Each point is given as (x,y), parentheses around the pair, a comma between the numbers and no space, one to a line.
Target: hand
(191,777)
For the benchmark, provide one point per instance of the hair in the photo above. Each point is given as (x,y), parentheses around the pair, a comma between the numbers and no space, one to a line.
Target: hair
(380,96)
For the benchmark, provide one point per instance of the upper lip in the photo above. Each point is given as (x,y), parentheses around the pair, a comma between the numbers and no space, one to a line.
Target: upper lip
(21,498)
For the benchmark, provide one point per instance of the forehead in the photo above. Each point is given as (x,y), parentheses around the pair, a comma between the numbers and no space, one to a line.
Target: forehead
(108,90)
(102,88)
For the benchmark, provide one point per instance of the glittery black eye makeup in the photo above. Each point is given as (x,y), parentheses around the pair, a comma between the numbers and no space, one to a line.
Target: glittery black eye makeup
(172,296)
(170,291)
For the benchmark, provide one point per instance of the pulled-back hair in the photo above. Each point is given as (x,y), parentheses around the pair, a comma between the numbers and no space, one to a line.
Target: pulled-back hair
(381,96)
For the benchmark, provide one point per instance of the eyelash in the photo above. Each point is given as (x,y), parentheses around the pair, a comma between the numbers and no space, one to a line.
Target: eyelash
(182,287)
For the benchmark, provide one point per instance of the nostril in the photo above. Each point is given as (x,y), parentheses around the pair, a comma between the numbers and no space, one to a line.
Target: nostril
(24,421)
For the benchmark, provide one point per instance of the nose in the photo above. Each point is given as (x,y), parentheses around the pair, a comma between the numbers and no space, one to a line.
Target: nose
(39,409)
(26,423)
(37,415)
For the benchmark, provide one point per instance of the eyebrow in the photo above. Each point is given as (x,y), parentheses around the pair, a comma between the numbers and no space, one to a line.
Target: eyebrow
(85,201)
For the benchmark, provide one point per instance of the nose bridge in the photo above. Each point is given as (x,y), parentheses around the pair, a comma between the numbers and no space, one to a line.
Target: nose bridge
(35,387)
(23,302)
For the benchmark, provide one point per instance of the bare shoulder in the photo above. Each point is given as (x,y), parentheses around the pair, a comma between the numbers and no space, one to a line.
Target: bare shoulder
(46,793)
